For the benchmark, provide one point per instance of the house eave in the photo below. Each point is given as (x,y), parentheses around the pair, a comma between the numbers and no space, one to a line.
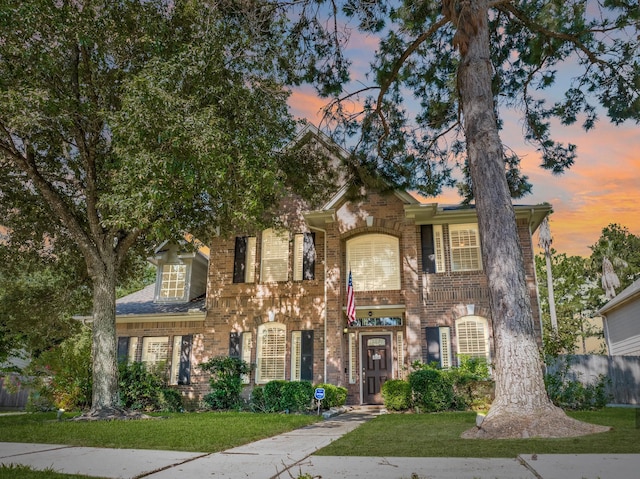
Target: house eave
(161,318)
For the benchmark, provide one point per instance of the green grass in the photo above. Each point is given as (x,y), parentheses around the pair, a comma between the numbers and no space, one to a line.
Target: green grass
(408,435)
(438,435)
(24,472)
(192,432)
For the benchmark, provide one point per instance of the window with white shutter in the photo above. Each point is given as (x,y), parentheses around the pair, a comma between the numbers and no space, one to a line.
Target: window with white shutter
(271,354)
(374,261)
(275,256)
(464,241)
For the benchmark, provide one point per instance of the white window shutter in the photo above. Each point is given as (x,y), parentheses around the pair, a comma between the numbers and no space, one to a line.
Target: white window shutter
(296,352)
(298,256)
(445,347)
(250,268)
(438,245)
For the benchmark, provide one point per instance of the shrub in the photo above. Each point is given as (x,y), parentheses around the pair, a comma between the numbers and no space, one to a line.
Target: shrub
(140,388)
(61,377)
(225,382)
(334,396)
(573,394)
(396,394)
(432,390)
(287,396)
(257,401)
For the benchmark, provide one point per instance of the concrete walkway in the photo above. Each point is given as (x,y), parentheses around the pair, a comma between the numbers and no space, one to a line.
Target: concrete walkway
(290,455)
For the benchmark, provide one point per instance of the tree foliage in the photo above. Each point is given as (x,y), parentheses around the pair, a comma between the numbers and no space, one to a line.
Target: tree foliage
(622,248)
(443,76)
(122,123)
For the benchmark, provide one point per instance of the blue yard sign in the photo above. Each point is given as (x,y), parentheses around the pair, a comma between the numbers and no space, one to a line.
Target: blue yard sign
(319,394)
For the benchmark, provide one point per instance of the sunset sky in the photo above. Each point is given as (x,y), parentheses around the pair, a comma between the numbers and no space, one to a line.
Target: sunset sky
(601,188)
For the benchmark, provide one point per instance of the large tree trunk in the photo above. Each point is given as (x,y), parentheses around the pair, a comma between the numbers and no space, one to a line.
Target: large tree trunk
(521,407)
(104,344)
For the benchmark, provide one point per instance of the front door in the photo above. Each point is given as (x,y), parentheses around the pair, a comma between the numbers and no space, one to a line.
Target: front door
(376,361)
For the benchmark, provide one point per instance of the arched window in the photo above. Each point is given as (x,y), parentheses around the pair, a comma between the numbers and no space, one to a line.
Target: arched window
(472,335)
(374,261)
(271,353)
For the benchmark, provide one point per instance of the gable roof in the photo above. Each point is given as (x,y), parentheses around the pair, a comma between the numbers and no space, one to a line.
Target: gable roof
(428,213)
(630,293)
(142,303)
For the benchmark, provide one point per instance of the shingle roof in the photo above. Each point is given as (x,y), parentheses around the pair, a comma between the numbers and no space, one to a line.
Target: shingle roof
(627,293)
(141,302)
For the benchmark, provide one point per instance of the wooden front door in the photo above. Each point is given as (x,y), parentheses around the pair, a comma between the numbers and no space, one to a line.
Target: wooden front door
(376,361)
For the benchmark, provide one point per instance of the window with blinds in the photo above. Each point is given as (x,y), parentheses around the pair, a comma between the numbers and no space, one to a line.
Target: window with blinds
(473,337)
(155,350)
(464,241)
(374,261)
(271,354)
(275,256)
(173,281)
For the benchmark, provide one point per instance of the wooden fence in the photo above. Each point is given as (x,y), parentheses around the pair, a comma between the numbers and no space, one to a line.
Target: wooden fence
(10,400)
(623,372)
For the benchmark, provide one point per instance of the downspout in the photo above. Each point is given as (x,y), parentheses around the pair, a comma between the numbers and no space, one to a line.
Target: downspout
(324,373)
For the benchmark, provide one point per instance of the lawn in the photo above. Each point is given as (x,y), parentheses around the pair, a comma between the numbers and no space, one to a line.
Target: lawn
(192,432)
(401,435)
(438,435)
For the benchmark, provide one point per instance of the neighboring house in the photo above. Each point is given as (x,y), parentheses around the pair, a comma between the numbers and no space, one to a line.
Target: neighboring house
(277,298)
(162,325)
(621,317)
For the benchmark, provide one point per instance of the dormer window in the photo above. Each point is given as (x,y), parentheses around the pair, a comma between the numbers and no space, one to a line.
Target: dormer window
(173,282)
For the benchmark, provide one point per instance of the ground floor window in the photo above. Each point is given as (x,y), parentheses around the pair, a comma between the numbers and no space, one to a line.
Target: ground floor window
(473,337)
(271,352)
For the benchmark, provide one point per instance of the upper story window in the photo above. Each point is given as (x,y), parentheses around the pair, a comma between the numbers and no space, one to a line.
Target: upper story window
(374,261)
(304,256)
(173,281)
(244,263)
(465,247)
(275,256)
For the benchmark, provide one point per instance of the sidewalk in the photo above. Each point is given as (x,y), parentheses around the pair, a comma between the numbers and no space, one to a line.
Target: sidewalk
(290,455)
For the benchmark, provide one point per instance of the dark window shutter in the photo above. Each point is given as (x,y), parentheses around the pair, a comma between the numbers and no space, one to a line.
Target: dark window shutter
(234,345)
(239,261)
(306,356)
(184,372)
(309,256)
(123,349)
(428,249)
(433,344)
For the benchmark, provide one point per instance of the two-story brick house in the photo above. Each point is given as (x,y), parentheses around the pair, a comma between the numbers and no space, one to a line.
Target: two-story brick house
(277,298)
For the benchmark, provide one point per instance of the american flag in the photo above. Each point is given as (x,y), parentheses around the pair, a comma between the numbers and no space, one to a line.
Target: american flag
(351,301)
